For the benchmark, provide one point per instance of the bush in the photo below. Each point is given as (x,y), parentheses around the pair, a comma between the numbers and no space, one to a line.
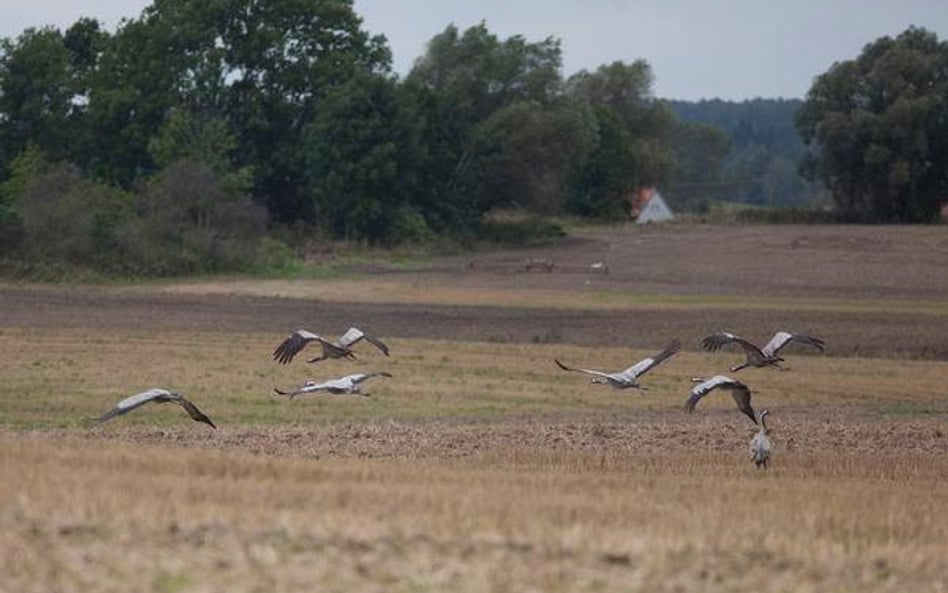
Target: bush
(787,216)
(518,228)
(64,218)
(190,220)
(409,227)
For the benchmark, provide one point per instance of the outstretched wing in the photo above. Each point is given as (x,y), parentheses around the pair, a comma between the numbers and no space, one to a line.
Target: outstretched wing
(308,387)
(354,334)
(291,346)
(742,397)
(360,377)
(133,401)
(781,339)
(645,365)
(740,392)
(587,371)
(714,342)
(193,411)
(377,343)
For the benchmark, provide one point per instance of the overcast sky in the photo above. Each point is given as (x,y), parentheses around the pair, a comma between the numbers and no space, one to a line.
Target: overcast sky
(732,49)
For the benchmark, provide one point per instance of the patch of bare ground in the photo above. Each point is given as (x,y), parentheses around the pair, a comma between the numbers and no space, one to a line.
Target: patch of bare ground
(868,291)
(833,261)
(876,333)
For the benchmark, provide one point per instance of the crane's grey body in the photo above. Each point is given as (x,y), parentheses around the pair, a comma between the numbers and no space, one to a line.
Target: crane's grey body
(338,348)
(760,446)
(155,395)
(760,357)
(342,385)
(630,376)
(739,391)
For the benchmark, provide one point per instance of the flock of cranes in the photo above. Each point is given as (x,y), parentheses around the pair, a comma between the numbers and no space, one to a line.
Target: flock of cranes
(760,446)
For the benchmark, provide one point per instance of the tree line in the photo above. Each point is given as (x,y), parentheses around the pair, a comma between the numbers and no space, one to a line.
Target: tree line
(761,162)
(198,133)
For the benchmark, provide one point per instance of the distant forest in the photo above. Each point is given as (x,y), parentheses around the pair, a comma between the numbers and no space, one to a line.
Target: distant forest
(762,158)
(202,137)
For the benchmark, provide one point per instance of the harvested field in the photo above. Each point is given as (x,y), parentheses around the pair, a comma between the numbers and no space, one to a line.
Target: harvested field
(479,466)
(116,518)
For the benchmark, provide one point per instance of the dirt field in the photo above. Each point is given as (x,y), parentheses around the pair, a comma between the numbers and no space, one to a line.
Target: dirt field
(479,466)
(868,291)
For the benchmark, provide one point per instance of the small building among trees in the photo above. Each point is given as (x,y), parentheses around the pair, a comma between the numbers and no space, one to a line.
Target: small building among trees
(649,206)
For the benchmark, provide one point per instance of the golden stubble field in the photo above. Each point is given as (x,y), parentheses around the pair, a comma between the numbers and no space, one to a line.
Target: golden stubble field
(478,467)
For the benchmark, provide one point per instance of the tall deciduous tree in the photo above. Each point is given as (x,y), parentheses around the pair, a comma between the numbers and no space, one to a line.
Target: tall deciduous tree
(285,56)
(879,127)
(43,79)
(460,82)
(356,150)
(151,66)
(633,149)
(526,152)
(260,67)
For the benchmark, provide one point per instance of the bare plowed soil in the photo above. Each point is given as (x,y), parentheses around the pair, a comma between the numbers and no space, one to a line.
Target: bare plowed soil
(867,291)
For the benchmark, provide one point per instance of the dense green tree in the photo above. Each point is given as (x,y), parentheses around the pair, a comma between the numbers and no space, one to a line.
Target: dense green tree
(356,151)
(525,153)
(456,86)
(38,93)
(633,149)
(879,126)
(285,57)
(601,187)
(135,87)
(205,139)
(261,67)
(482,73)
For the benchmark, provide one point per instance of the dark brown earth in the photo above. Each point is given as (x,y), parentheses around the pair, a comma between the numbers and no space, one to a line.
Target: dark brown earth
(902,265)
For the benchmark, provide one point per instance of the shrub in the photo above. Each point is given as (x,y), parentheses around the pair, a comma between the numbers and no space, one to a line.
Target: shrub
(515,227)
(190,220)
(409,227)
(64,218)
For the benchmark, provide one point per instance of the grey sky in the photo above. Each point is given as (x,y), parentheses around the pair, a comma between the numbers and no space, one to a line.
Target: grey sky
(733,49)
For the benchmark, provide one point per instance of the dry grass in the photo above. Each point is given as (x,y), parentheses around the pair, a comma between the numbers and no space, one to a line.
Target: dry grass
(500,473)
(114,518)
(58,378)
